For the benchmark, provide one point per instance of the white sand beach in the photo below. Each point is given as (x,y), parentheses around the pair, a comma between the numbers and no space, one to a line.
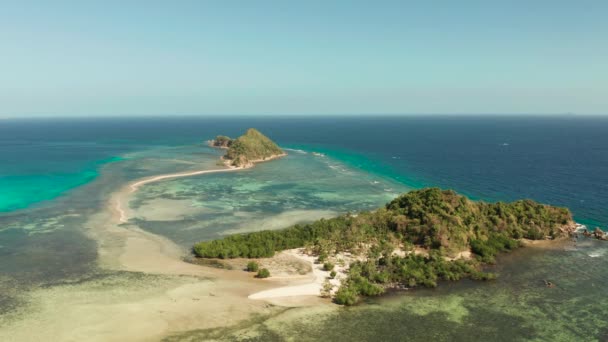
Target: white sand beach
(312,288)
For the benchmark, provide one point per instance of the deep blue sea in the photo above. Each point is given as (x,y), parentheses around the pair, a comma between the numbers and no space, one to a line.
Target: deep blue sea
(561,160)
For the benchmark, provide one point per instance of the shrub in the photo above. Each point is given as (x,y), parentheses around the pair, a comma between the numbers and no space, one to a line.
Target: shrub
(252,266)
(263,273)
(328,266)
(332,274)
(367,288)
(382,277)
(495,244)
(321,258)
(483,250)
(478,275)
(326,289)
(346,296)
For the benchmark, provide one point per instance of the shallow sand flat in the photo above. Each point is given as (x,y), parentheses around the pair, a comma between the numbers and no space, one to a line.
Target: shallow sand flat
(170,296)
(282,220)
(131,310)
(164,209)
(146,291)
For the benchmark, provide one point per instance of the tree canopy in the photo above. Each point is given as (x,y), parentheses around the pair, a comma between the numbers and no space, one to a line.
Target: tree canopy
(251,146)
(441,222)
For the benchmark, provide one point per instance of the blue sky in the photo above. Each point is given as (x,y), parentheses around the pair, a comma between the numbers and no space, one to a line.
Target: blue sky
(79,58)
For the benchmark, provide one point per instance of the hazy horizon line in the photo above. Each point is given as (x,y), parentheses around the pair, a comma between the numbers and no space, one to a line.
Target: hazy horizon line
(290,115)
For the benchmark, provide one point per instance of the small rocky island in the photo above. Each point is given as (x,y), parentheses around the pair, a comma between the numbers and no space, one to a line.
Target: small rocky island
(249,148)
(417,239)
(221,141)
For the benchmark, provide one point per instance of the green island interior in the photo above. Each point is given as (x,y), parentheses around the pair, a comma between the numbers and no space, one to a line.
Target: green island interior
(437,224)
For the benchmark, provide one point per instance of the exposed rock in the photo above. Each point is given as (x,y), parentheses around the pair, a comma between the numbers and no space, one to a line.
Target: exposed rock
(599,234)
(221,141)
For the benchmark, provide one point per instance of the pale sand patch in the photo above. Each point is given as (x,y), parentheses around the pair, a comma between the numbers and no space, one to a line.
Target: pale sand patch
(130,312)
(400,252)
(312,287)
(282,265)
(463,255)
(127,248)
(556,244)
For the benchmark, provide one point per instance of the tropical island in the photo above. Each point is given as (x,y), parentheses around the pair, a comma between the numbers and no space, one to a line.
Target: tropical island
(242,153)
(249,148)
(417,239)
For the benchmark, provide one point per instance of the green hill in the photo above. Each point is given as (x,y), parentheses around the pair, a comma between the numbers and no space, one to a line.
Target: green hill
(251,147)
(440,223)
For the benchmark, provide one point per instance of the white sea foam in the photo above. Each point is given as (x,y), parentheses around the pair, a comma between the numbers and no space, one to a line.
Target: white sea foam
(296,150)
(597,253)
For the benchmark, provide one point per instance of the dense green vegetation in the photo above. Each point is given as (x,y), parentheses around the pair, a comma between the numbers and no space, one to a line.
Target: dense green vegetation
(252,266)
(263,273)
(373,276)
(251,146)
(222,141)
(429,226)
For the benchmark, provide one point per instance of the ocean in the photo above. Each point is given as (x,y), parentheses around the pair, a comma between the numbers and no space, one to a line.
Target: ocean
(560,160)
(56,176)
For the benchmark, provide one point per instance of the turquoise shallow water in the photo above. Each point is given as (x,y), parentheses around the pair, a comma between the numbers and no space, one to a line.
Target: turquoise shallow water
(21,191)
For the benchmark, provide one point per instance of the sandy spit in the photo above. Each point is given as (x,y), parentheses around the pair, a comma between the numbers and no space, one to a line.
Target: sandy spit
(176,296)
